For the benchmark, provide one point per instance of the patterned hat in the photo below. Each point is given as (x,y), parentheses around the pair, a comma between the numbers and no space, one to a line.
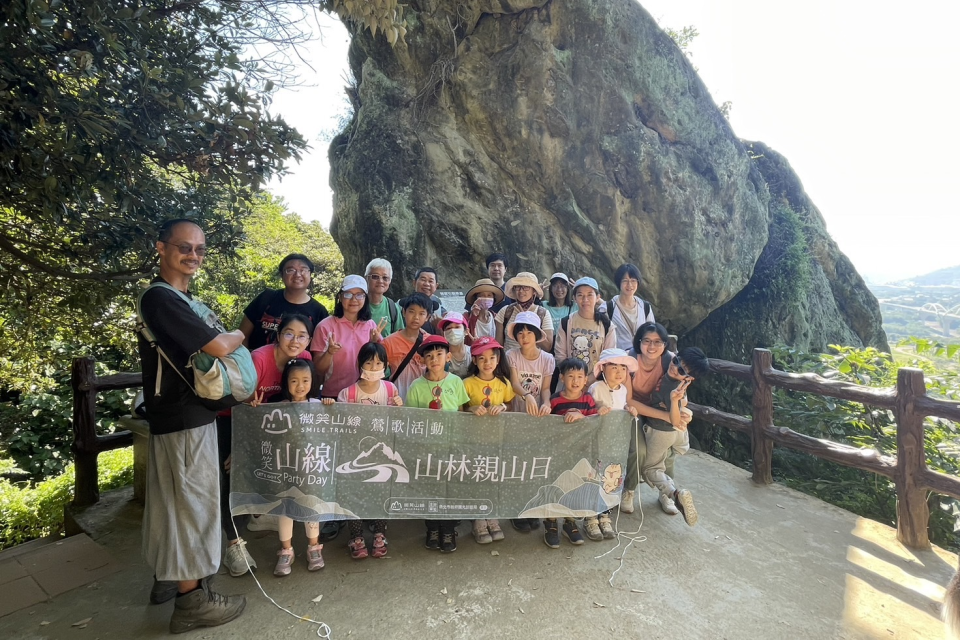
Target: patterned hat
(483,344)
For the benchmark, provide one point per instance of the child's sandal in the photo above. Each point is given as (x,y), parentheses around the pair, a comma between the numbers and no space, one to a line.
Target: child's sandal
(358,548)
(379,545)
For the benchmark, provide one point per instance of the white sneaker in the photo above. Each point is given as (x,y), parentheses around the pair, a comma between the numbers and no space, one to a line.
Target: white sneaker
(668,505)
(626,501)
(238,560)
(265,522)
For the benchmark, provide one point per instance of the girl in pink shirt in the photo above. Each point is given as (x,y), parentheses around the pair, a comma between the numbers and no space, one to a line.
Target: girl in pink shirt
(371,388)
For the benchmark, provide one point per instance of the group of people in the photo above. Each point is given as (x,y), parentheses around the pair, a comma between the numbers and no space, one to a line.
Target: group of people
(512,348)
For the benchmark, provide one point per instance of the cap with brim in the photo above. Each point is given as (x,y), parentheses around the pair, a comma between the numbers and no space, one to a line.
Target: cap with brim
(484,344)
(452,317)
(484,285)
(586,281)
(354,282)
(561,276)
(527,319)
(433,341)
(615,356)
(523,279)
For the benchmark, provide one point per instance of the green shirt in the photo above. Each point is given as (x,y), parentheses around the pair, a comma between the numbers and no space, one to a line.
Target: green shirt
(450,391)
(382,310)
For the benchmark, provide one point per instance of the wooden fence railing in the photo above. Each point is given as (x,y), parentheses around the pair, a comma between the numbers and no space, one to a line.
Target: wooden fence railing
(87,445)
(908,400)
(909,403)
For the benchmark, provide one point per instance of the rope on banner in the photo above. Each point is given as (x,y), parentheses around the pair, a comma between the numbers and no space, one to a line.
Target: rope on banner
(323,629)
(629,535)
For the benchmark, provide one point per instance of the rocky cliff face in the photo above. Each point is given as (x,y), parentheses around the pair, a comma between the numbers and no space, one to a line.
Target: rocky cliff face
(572,136)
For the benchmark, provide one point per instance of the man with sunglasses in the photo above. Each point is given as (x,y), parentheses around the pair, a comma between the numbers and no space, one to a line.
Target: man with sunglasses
(661,437)
(181,536)
(379,275)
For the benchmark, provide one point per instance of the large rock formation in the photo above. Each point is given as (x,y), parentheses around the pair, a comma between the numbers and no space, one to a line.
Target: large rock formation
(572,136)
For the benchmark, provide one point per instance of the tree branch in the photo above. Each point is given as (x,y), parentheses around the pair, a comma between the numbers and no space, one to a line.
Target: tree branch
(130,275)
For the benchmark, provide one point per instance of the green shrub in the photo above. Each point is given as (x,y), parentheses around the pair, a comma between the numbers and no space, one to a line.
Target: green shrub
(35,511)
(37,431)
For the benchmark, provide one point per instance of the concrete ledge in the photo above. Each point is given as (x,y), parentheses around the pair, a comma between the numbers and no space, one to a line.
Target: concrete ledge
(141,432)
(117,508)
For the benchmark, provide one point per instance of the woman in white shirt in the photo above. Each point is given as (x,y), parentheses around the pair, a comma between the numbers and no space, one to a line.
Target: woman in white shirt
(627,311)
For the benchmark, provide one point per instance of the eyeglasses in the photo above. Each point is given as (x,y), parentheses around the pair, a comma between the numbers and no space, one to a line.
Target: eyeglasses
(651,343)
(436,403)
(353,296)
(294,272)
(378,278)
(287,335)
(486,397)
(680,370)
(187,249)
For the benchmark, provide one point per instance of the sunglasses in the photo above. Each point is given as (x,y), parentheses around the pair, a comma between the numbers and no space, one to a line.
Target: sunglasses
(486,397)
(680,370)
(353,296)
(187,249)
(436,403)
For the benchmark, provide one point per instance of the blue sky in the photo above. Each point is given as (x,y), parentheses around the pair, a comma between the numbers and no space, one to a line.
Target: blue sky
(860,99)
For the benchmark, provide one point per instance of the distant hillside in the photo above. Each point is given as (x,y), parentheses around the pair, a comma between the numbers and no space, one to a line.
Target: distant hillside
(926,306)
(948,276)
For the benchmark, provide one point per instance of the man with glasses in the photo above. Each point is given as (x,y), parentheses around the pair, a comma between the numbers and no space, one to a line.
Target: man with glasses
(379,274)
(181,536)
(427,282)
(263,315)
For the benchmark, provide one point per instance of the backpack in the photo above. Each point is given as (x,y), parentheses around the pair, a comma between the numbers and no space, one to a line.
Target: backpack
(220,383)
(604,322)
(510,310)
(391,392)
(392,311)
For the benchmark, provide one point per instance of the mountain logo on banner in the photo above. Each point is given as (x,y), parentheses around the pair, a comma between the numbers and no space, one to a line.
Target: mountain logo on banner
(379,459)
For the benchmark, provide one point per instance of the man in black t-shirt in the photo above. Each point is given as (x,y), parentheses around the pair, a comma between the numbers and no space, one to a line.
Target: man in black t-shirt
(264,313)
(181,536)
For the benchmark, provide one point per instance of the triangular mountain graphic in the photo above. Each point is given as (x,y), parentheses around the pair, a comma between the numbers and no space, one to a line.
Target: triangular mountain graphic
(380,453)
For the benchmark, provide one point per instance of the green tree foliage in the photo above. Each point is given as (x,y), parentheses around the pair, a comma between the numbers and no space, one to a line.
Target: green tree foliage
(230,280)
(116,116)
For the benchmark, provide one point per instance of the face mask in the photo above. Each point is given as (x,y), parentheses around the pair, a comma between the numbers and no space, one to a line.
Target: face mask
(486,303)
(454,336)
(374,375)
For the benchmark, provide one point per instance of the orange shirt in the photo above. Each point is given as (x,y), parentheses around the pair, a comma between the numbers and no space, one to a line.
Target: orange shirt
(397,347)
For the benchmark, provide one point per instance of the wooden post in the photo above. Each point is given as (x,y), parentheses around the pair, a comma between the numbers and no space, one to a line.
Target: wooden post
(761,444)
(85,445)
(913,514)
